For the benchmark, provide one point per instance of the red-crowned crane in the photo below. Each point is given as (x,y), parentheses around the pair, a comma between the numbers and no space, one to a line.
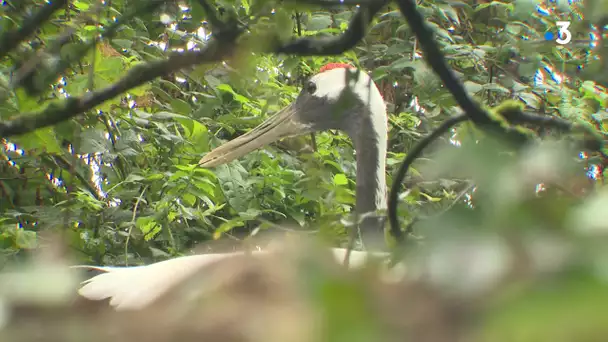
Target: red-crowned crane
(338,97)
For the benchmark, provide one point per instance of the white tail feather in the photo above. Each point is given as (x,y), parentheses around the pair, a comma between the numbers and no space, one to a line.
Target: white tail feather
(132,288)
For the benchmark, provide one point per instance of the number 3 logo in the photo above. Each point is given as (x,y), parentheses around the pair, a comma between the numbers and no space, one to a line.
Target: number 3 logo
(563,35)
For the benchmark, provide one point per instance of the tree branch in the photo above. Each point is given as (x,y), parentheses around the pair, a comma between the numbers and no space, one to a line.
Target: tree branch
(212,15)
(435,58)
(220,47)
(9,40)
(339,44)
(43,79)
(513,117)
(412,155)
(216,50)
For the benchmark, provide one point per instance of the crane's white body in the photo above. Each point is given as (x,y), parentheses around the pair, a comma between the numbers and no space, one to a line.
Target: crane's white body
(336,98)
(133,288)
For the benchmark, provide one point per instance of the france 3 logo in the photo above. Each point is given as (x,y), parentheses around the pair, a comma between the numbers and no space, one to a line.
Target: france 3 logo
(563,36)
(560,9)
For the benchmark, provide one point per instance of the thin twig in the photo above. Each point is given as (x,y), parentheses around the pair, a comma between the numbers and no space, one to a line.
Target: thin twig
(141,195)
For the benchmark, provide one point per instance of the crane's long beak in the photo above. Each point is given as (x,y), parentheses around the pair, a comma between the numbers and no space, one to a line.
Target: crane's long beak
(280,125)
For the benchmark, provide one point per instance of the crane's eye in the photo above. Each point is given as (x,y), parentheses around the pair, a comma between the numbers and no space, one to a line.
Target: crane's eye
(311,87)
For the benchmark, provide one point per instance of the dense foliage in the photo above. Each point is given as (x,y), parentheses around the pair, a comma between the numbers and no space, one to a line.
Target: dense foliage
(121,181)
(121,185)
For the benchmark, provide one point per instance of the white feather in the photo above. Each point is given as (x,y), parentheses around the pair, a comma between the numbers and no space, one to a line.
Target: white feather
(132,288)
(137,287)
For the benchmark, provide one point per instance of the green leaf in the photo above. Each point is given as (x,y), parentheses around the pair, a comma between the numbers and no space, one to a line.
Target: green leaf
(198,13)
(26,239)
(522,9)
(340,179)
(284,24)
(227,226)
(402,63)
(250,214)
(108,68)
(40,139)
(319,22)
(196,134)
(25,103)
(213,82)
(181,106)
(141,90)
(94,141)
(189,199)
(473,87)
(123,43)
(237,97)
(495,87)
(154,177)
(133,177)
(450,13)
(148,226)
(81,5)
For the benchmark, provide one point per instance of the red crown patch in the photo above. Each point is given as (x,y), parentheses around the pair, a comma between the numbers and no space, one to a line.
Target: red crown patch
(331,66)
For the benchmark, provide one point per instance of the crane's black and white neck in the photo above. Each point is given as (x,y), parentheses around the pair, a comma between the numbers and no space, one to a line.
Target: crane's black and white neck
(338,97)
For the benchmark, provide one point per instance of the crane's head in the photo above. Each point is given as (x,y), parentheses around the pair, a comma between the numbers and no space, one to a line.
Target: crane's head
(338,97)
